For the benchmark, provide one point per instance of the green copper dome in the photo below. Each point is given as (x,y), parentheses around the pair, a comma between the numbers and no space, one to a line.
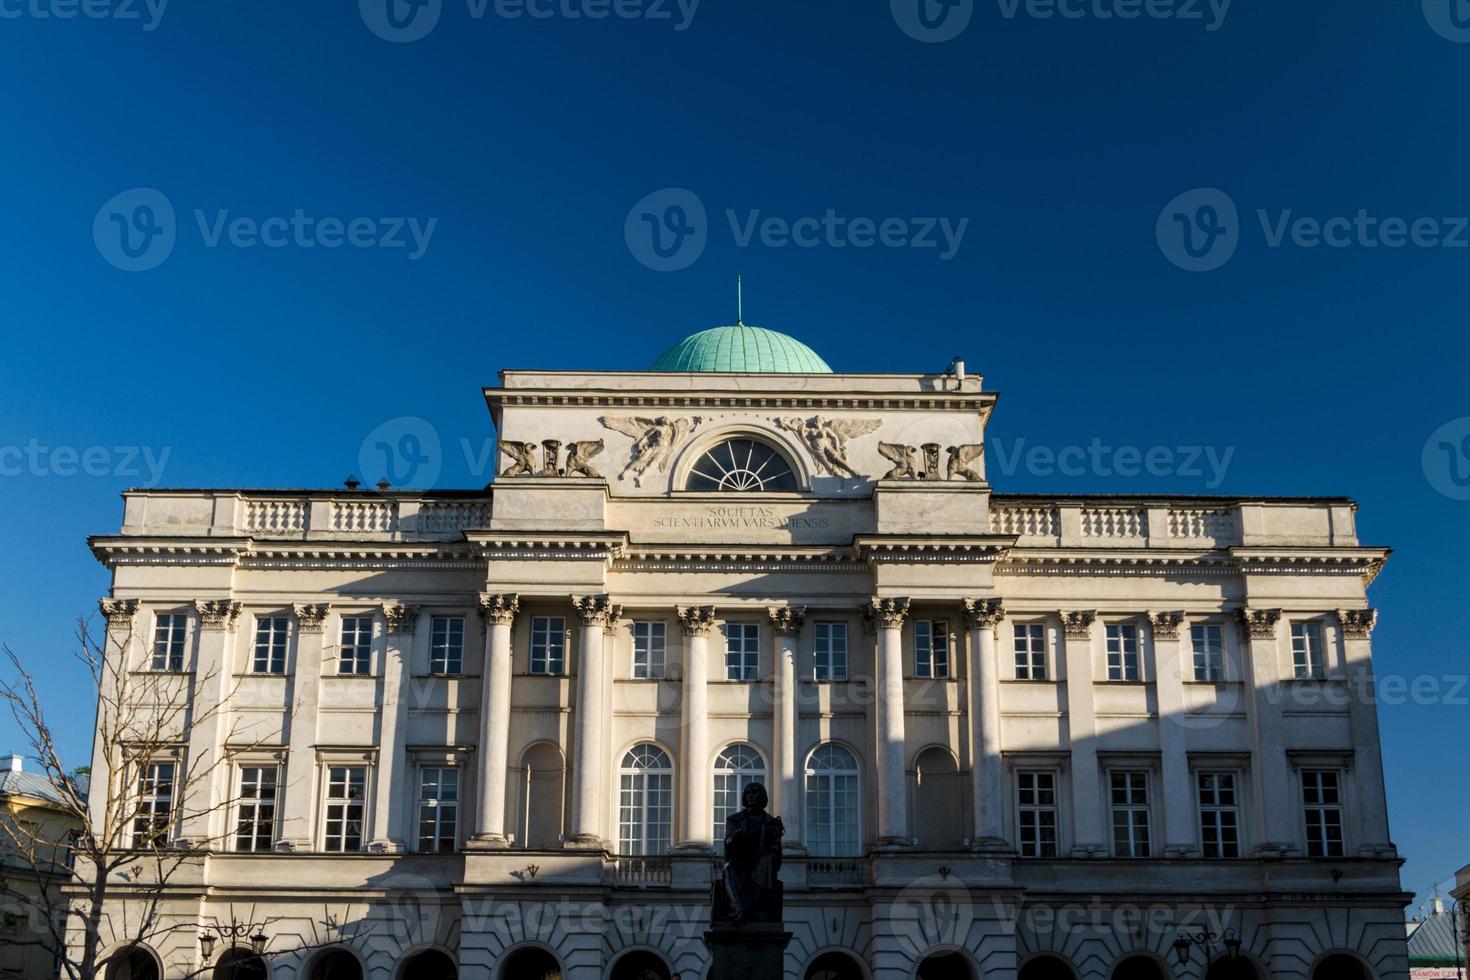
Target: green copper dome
(742,350)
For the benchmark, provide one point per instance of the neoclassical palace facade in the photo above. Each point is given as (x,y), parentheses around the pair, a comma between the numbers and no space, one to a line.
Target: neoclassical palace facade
(494,733)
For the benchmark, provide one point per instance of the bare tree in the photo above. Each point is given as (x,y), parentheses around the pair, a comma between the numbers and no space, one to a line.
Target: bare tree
(98,860)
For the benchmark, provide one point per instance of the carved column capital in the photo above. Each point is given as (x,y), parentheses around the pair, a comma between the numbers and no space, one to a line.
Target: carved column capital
(1077,623)
(119,612)
(499,608)
(1165,625)
(889,613)
(217,614)
(985,613)
(310,618)
(1259,624)
(696,620)
(400,618)
(1357,624)
(596,610)
(787,620)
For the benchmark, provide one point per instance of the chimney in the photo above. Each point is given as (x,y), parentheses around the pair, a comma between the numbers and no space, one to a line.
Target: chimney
(12,763)
(1437,905)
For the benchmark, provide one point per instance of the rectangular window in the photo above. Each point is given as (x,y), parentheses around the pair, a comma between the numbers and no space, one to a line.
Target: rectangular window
(1209,652)
(346,804)
(742,651)
(356,654)
(1036,813)
(155,804)
(830,652)
(548,645)
(1123,652)
(1219,815)
(649,649)
(1308,658)
(438,810)
(1129,798)
(1030,651)
(255,826)
(931,648)
(168,641)
(446,645)
(270,645)
(1322,802)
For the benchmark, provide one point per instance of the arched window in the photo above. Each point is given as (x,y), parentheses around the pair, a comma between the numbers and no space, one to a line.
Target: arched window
(1138,968)
(832,802)
(834,966)
(133,964)
(1232,968)
(640,964)
(645,801)
(530,963)
(735,768)
(335,964)
(742,465)
(1340,966)
(946,966)
(430,964)
(939,800)
(1046,967)
(543,790)
(240,964)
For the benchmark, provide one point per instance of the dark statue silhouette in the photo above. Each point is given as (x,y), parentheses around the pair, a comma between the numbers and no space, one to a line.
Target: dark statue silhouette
(750,888)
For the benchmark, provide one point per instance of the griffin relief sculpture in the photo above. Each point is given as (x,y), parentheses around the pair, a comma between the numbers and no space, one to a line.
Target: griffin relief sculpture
(959,465)
(902,457)
(960,460)
(522,456)
(654,440)
(827,439)
(579,458)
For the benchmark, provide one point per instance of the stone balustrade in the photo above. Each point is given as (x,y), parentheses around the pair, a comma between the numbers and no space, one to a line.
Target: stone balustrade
(1153,522)
(305,515)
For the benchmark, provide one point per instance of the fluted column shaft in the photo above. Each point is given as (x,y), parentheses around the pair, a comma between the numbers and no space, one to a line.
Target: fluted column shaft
(893,829)
(499,611)
(984,616)
(786,622)
(589,768)
(695,832)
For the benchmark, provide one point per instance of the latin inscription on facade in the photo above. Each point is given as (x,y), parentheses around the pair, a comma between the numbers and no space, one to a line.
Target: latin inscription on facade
(741,518)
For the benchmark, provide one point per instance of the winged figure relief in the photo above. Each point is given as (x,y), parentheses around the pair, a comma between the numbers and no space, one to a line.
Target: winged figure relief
(827,439)
(904,467)
(580,455)
(522,458)
(654,440)
(960,458)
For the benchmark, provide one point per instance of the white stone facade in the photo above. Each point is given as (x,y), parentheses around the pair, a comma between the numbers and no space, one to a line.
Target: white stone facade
(1105,694)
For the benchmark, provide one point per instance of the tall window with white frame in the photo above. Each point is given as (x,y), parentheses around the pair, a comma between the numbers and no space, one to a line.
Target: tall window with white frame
(931,648)
(1030,640)
(153,817)
(1122,641)
(438,810)
(742,651)
(1036,813)
(1209,651)
(650,649)
(829,649)
(446,645)
(270,645)
(169,630)
(346,808)
(645,801)
(832,802)
(1129,800)
(548,645)
(355,655)
(255,813)
(1219,815)
(1308,655)
(735,768)
(1322,806)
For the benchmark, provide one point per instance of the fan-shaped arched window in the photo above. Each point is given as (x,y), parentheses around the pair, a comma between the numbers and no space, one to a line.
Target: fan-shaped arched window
(742,465)
(735,768)
(832,802)
(645,801)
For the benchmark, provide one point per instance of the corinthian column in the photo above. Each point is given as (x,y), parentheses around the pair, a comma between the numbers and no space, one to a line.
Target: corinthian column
(597,613)
(395,778)
(785,800)
(696,621)
(984,616)
(893,808)
(499,612)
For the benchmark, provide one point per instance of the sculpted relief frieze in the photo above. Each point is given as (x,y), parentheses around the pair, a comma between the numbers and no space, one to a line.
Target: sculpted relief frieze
(654,441)
(959,465)
(522,458)
(827,439)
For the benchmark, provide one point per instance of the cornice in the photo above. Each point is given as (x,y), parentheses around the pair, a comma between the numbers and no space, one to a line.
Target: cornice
(115,551)
(774,558)
(906,549)
(585,546)
(1055,561)
(982,402)
(1365,562)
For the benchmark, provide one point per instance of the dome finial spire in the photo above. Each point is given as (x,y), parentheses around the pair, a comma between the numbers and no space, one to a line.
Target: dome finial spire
(739,302)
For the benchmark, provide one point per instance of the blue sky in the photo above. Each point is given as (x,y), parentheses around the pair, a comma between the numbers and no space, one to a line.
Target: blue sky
(1055,150)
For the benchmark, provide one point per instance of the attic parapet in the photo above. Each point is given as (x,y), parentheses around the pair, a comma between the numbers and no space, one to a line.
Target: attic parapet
(304,515)
(1203,523)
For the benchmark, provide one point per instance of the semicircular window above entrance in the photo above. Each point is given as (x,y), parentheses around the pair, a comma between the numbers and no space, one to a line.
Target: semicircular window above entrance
(742,466)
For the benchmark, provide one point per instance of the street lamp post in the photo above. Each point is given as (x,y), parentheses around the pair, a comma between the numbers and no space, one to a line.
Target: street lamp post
(1205,940)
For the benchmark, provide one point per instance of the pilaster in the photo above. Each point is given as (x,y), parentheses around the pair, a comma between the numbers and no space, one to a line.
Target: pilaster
(1087,830)
(893,831)
(984,617)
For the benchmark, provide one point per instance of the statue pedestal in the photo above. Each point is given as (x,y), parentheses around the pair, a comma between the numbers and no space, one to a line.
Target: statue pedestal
(755,949)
